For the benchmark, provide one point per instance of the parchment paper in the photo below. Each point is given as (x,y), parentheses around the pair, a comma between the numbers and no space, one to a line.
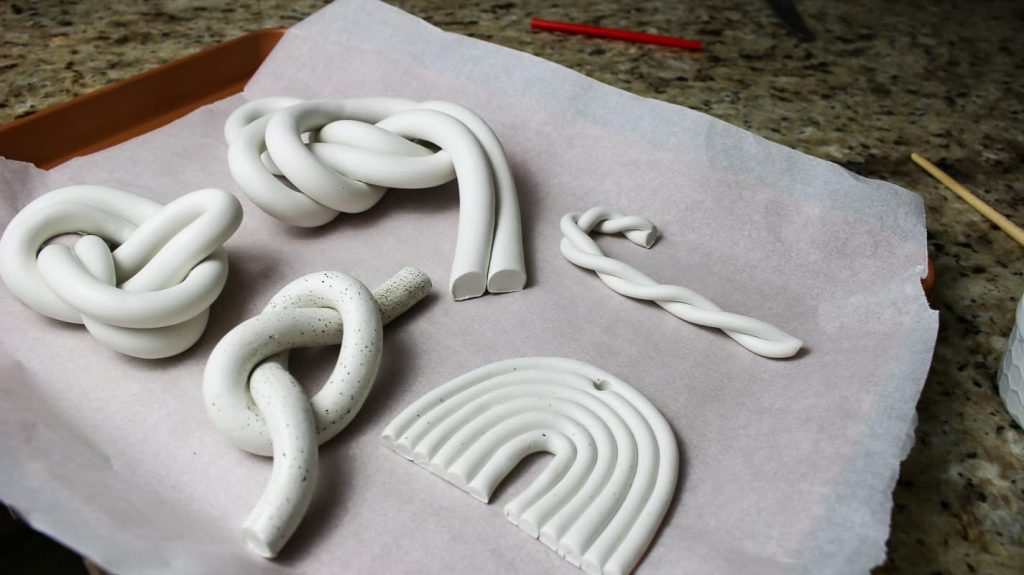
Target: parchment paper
(788,466)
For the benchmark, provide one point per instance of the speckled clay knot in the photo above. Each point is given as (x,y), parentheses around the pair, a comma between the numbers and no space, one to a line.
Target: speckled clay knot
(579,248)
(150,296)
(255,401)
(600,501)
(342,155)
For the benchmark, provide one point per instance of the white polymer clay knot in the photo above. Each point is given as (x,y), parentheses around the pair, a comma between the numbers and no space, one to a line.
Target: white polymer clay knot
(579,248)
(150,296)
(253,399)
(605,492)
(305,162)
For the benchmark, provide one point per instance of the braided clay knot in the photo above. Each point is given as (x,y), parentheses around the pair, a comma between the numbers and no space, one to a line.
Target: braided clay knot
(305,162)
(253,399)
(579,248)
(149,297)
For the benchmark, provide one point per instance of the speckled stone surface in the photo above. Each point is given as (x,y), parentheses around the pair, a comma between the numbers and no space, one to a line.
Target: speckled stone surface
(882,79)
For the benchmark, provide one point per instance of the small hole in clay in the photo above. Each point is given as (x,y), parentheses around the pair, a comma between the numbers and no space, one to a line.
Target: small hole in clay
(600,385)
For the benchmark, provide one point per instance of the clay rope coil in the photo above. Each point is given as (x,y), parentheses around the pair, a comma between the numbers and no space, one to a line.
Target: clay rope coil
(604,494)
(579,248)
(147,298)
(253,399)
(341,156)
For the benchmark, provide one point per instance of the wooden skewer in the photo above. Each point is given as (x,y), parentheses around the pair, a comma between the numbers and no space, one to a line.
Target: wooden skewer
(974,201)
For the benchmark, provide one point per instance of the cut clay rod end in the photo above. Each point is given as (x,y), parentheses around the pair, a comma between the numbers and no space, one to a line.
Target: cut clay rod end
(259,543)
(507,280)
(468,285)
(645,238)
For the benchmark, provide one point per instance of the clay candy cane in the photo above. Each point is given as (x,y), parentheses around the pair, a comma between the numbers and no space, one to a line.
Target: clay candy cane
(253,399)
(602,497)
(342,155)
(150,296)
(579,248)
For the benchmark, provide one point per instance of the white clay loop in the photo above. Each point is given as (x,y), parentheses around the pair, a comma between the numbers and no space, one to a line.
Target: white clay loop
(254,110)
(150,296)
(330,156)
(600,501)
(579,248)
(253,399)
(506,270)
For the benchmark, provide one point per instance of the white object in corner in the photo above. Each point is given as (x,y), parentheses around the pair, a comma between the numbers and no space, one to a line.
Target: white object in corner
(147,298)
(1011,371)
(616,461)
(253,399)
(579,248)
(342,155)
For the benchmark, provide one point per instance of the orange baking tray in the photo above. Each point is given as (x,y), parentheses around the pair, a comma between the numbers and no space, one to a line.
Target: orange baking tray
(121,111)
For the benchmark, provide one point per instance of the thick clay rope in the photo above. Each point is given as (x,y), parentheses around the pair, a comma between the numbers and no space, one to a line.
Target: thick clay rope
(579,248)
(150,296)
(602,497)
(305,162)
(253,399)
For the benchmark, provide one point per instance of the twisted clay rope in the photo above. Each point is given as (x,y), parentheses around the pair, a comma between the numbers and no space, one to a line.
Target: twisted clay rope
(150,296)
(253,399)
(579,248)
(342,155)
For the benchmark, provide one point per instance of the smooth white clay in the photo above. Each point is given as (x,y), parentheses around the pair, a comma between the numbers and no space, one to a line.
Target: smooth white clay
(579,248)
(305,162)
(603,495)
(253,399)
(150,296)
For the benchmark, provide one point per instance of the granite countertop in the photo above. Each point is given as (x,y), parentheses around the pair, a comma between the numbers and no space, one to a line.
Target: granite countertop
(883,79)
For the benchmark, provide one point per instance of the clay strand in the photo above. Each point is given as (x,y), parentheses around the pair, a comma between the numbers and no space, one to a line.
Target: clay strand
(579,248)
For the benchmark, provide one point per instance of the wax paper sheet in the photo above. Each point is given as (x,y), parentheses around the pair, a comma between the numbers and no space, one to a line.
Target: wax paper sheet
(788,466)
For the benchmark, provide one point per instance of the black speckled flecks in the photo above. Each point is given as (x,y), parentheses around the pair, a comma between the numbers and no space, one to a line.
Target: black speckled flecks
(883,79)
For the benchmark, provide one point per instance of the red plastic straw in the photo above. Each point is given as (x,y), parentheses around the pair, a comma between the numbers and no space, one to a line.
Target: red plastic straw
(569,28)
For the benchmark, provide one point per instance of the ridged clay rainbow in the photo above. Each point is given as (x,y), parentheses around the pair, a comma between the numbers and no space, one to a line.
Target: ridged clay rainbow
(600,500)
